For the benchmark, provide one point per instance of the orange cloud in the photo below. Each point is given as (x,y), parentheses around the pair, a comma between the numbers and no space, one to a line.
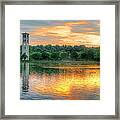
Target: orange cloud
(63,35)
(82,39)
(40,42)
(93,33)
(62,31)
(88,29)
(82,22)
(88,40)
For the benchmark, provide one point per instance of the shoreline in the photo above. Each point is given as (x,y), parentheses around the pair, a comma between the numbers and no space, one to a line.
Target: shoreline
(47,63)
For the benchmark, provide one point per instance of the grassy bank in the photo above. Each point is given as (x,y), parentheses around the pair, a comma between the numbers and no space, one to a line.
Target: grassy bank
(62,63)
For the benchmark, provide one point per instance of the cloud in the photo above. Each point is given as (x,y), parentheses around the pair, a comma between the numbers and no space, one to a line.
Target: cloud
(82,39)
(88,29)
(81,22)
(69,38)
(64,34)
(62,31)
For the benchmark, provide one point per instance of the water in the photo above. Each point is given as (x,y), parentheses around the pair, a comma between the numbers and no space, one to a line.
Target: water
(60,82)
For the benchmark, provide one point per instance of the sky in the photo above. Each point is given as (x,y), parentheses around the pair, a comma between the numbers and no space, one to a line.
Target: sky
(62,32)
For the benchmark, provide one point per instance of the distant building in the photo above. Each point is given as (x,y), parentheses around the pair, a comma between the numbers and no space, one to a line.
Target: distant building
(25,46)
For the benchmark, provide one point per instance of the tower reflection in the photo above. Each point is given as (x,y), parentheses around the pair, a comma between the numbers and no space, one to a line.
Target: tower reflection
(25,77)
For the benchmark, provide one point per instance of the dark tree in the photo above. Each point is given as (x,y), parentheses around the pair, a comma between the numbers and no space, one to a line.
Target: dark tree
(46,55)
(36,56)
(64,52)
(64,55)
(54,55)
(74,55)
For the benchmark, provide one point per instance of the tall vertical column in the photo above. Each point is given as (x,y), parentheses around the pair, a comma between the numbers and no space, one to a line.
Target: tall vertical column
(25,77)
(25,46)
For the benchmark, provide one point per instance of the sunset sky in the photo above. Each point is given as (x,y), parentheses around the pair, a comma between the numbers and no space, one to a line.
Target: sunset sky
(62,32)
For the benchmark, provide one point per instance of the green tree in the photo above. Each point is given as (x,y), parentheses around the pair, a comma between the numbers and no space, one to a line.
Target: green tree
(74,55)
(83,55)
(97,55)
(64,52)
(46,55)
(64,55)
(55,55)
(90,54)
(36,56)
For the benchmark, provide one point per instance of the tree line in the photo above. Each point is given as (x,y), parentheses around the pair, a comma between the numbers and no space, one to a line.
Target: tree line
(76,53)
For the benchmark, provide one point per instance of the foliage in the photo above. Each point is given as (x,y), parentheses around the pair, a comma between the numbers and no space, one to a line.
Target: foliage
(74,55)
(64,55)
(54,56)
(36,56)
(68,53)
(46,55)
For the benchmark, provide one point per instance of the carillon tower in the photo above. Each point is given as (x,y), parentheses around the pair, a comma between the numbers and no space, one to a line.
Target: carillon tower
(25,46)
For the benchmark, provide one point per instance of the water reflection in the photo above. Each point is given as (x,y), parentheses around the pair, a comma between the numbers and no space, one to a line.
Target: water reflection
(65,83)
(25,77)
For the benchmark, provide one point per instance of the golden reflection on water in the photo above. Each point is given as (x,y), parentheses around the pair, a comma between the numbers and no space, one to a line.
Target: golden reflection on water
(74,83)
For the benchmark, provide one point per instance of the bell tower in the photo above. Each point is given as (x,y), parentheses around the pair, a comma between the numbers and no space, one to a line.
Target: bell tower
(25,46)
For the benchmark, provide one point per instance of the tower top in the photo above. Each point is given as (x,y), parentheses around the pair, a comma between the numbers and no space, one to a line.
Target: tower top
(25,33)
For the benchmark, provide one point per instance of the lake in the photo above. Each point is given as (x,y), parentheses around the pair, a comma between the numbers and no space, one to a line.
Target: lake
(59,82)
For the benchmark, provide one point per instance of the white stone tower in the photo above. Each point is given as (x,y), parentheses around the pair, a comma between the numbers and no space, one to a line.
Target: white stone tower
(25,46)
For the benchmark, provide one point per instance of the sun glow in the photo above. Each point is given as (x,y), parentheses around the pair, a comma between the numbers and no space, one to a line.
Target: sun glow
(82,32)
(66,84)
